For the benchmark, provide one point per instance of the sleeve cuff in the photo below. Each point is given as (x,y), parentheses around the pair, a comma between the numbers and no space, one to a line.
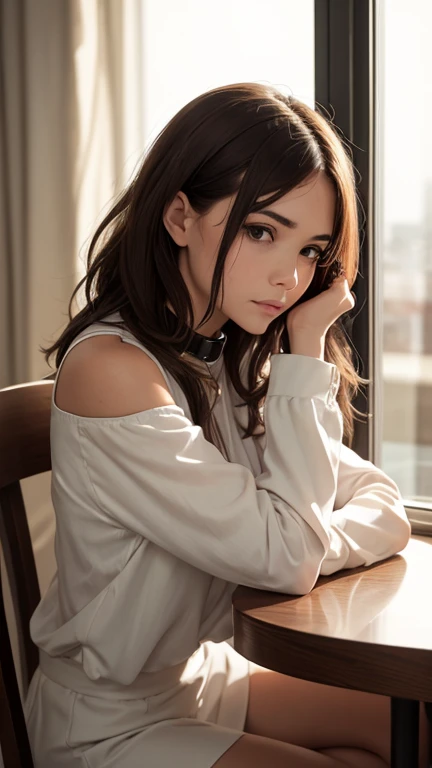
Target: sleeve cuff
(303,376)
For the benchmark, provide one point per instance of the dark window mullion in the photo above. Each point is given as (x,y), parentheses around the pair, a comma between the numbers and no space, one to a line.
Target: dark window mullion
(344,82)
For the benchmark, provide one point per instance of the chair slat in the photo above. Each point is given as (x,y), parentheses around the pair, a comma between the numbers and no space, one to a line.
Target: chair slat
(24,452)
(21,572)
(16,752)
(24,431)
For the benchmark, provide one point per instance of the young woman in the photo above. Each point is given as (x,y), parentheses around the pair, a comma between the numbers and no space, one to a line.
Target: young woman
(200,422)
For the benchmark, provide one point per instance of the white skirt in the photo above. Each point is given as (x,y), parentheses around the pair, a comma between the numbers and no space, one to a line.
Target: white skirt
(186,716)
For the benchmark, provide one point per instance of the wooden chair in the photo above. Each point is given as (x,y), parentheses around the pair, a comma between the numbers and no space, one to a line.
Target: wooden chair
(24,452)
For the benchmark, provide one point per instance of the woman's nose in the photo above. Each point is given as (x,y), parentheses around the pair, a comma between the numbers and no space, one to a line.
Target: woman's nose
(288,277)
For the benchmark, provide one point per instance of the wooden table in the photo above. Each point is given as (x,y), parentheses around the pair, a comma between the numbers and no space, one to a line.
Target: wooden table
(369,629)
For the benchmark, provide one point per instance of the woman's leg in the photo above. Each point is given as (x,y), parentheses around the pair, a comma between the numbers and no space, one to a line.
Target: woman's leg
(321,717)
(260,752)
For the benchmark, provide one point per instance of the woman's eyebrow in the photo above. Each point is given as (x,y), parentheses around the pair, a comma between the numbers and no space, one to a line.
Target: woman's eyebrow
(290,224)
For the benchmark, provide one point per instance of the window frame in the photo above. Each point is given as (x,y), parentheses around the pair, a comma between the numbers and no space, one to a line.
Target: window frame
(346,88)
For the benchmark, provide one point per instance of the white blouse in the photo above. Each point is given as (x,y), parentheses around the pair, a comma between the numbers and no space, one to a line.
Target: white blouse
(155,528)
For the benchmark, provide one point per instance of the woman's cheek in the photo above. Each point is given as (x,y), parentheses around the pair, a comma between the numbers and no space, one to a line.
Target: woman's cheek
(305,277)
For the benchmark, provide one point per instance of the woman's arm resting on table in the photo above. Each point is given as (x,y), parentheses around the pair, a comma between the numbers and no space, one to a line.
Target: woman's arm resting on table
(369,522)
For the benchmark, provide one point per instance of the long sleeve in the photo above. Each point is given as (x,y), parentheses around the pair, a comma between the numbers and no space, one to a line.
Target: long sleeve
(369,522)
(155,474)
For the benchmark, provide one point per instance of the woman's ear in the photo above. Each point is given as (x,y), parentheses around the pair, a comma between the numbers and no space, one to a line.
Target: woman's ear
(178,217)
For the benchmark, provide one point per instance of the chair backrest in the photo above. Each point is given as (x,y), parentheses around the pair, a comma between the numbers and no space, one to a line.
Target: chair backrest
(24,452)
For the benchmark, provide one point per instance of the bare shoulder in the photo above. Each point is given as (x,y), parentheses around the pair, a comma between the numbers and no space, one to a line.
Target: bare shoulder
(104,377)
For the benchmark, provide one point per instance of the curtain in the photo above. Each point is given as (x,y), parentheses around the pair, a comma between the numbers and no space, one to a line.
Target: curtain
(71,133)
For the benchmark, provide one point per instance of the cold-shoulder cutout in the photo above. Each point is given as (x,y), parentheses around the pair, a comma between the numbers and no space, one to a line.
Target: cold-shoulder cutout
(104,377)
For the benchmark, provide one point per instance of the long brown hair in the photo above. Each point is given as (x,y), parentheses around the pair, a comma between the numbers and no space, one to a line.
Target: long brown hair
(248,139)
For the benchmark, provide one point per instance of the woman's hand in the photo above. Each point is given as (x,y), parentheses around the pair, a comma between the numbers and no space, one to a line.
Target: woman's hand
(308,323)
(319,313)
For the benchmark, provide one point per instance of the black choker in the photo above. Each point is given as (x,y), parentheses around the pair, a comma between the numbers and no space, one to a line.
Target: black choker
(205,347)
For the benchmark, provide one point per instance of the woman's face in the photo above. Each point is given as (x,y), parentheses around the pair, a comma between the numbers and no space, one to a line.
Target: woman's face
(273,257)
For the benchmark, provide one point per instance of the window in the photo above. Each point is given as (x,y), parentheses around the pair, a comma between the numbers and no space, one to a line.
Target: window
(380,94)
(219,43)
(405,233)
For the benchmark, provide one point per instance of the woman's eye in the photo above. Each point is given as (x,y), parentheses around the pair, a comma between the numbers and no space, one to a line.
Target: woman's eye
(257,233)
(316,252)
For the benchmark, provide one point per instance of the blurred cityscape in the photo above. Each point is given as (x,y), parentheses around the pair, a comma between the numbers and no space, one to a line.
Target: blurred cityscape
(407,354)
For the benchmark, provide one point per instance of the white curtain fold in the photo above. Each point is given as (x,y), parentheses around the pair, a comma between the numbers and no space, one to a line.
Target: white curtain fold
(38,137)
(71,133)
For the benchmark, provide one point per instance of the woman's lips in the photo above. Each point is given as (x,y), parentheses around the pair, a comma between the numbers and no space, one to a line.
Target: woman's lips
(270,309)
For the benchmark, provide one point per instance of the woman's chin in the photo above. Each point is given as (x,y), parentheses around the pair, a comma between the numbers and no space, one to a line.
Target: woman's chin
(254,327)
